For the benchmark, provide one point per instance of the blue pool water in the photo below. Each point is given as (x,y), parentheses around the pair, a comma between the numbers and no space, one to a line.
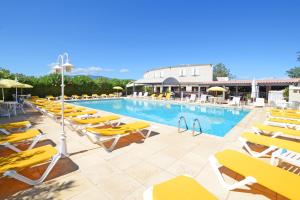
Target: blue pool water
(214,120)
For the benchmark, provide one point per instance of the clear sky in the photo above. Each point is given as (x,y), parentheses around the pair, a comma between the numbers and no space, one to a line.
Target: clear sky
(255,39)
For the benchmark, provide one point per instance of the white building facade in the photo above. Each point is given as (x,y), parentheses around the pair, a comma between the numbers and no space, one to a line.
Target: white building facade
(175,78)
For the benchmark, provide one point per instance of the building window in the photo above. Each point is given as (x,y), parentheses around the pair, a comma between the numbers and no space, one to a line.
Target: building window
(195,72)
(182,72)
(161,74)
(157,74)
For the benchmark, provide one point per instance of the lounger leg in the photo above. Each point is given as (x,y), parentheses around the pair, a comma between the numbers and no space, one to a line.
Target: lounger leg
(215,165)
(145,136)
(36,140)
(10,146)
(117,138)
(4,131)
(275,155)
(253,153)
(15,175)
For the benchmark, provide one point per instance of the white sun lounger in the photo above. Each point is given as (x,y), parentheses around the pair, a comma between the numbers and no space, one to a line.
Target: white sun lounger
(203,98)
(236,101)
(259,102)
(145,94)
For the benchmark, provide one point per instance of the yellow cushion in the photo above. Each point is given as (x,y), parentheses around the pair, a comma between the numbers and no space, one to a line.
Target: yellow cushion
(58,112)
(15,125)
(284,111)
(271,129)
(74,114)
(181,188)
(96,120)
(285,115)
(287,121)
(27,158)
(279,180)
(269,141)
(123,129)
(16,137)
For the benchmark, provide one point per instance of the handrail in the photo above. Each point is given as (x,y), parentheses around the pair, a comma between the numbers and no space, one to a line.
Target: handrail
(179,123)
(199,125)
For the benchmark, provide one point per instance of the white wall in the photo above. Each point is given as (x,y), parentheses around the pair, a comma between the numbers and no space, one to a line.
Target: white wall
(197,73)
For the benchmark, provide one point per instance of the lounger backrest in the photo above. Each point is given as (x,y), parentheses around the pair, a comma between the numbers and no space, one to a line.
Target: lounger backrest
(193,97)
(134,94)
(260,100)
(140,94)
(203,97)
(236,100)
(278,180)
(145,94)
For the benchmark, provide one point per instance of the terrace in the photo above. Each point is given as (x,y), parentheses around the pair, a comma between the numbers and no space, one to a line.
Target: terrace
(128,171)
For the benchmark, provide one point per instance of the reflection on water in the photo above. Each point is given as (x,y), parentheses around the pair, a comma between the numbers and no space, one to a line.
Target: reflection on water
(214,120)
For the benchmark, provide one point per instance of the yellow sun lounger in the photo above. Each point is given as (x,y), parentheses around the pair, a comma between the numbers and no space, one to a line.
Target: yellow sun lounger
(68,110)
(74,96)
(254,170)
(95,120)
(283,122)
(294,116)
(95,96)
(275,131)
(160,96)
(153,96)
(50,97)
(75,114)
(284,111)
(168,96)
(31,134)
(22,125)
(10,165)
(100,135)
(78,124)
(286,150)
(178,188)
(85,96)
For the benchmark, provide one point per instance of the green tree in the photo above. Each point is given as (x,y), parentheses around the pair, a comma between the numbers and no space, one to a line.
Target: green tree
(295,71)
(220,70)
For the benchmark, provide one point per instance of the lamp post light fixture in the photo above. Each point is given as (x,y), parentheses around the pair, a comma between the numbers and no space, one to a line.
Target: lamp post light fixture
(63,64)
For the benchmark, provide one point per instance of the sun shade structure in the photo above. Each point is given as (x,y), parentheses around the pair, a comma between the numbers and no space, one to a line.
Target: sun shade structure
(216,89)
(26,86)
(117,88)
(8,83)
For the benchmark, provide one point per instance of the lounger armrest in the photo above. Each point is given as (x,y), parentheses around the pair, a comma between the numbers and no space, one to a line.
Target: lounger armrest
(216,165)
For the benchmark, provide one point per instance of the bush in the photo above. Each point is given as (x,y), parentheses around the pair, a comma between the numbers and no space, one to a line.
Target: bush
(50,84)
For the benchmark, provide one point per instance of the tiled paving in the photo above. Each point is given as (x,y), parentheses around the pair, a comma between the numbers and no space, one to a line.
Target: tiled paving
(128,171)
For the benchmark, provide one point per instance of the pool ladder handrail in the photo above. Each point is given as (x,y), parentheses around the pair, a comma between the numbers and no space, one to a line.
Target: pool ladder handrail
(194,126)
(179,123)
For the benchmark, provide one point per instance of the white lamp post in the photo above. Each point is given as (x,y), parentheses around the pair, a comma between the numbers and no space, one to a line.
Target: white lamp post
(63,65)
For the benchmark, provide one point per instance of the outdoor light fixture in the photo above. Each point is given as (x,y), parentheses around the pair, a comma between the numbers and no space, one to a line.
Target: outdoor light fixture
(63,65)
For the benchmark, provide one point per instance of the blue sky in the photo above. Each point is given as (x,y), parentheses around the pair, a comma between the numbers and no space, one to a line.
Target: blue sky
(125,38)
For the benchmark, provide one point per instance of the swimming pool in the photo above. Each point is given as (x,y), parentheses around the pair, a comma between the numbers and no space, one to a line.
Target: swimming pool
(214,120)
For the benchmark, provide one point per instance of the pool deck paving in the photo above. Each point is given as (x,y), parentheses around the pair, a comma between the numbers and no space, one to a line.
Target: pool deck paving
(125,173)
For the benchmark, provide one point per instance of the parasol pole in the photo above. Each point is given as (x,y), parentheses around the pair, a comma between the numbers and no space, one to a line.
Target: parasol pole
(3,94)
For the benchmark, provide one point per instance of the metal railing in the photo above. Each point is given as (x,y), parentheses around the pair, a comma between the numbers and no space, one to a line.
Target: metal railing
(194,126)
(179,124)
